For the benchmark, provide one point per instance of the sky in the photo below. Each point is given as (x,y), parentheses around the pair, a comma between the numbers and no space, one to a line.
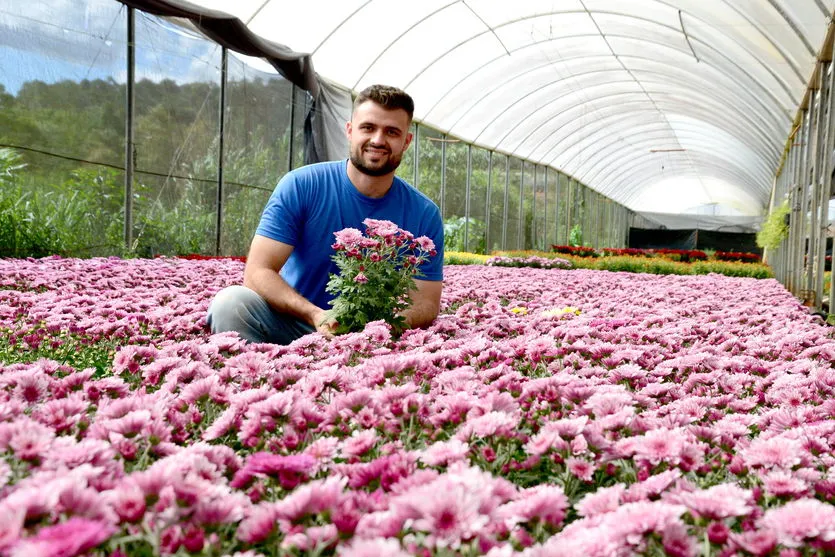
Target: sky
(55,40)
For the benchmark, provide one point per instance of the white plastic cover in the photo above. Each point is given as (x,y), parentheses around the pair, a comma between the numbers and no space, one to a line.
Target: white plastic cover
(667,104)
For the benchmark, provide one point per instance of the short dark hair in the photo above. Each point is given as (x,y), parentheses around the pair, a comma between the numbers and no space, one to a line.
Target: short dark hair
(390,98)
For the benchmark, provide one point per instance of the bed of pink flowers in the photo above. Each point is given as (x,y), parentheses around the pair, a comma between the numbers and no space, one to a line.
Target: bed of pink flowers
(546,413)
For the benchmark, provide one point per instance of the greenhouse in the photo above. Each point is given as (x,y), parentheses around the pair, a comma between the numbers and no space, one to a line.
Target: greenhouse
(438,278)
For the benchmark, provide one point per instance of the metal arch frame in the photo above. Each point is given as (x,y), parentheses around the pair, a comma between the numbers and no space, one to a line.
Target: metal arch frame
(706,113)
(629,191)
(543,89)
(591,137)
(713,111)
(747,179)
(510,81)
(592,174)
(632,187)
(700,147)
(764,124)
(706,46)
(546,121)
(601,127)
(400,36)
(606,171)
(754,128)
(778,7)
(501,112)
(749,129)
(641,107)
(524,119)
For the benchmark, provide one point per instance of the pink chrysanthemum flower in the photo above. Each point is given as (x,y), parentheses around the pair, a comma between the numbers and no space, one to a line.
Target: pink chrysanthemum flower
(543,442)
(779,452)
(70,538)
(284,467)
(781,483)
(348,238)
(359,443)
(310,539)
(801,521)
(755,542)
(444,452)
(425,243)
(449,518)
(656,446)
(547,503)
(492,423)
(719,501)
(651,487)
(581,468)
(311,498)
(31,440)
(604,500)
(258,523)
(377,547)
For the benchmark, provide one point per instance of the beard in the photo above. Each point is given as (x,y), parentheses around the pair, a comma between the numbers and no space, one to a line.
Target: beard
(385,166)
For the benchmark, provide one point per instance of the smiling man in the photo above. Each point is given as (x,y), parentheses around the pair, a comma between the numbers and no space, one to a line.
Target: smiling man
(283,296)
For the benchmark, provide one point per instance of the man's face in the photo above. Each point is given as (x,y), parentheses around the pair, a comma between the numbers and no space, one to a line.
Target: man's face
(378,138)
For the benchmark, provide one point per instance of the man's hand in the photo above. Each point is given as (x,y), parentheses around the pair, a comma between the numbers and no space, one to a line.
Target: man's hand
(324,323)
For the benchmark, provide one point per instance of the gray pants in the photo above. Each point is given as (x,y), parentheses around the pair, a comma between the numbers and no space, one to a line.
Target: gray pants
(239,309)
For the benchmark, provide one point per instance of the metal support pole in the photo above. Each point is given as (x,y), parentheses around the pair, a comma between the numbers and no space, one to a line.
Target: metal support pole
(520,231)
(819,209)
(443,177)
(224,60)
(292,128)
(504,213)
(467,201)
(488,247)
(560,195)
(810,205)
(416,143)
(130,148)
(791,191)
(824,184)
(801,200)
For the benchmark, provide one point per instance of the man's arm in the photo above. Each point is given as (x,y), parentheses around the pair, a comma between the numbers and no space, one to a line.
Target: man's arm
(265,260)
(426,303)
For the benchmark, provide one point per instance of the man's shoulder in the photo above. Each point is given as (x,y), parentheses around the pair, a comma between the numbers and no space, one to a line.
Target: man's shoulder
(317,170)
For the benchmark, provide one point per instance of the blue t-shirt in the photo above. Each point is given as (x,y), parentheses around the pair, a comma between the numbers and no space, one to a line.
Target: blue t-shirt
(311,203)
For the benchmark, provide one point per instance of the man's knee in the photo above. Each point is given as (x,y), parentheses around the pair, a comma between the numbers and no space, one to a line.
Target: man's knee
(232,308)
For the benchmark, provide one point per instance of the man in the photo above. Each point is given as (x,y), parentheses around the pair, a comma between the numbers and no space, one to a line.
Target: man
(283,296)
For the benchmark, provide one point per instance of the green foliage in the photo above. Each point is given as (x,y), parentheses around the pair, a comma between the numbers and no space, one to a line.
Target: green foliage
(575,237)
(76,351)
(22,231)
(454,234)
(62,206)
(733,269)
(463,258)
(655,266)
(775,228)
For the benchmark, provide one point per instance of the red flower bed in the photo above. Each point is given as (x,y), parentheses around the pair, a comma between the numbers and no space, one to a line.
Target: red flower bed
(684,255)
(636,252)
(738,256)
(579,251)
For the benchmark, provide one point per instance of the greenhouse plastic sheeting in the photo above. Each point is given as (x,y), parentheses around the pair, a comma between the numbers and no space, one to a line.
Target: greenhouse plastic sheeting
(639,99)
(661,105)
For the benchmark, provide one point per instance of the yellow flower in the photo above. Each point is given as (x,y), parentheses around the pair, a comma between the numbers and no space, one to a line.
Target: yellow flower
(519,311)
(556,312)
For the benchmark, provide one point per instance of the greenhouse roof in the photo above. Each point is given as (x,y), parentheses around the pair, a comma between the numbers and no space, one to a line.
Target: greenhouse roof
(662,105)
